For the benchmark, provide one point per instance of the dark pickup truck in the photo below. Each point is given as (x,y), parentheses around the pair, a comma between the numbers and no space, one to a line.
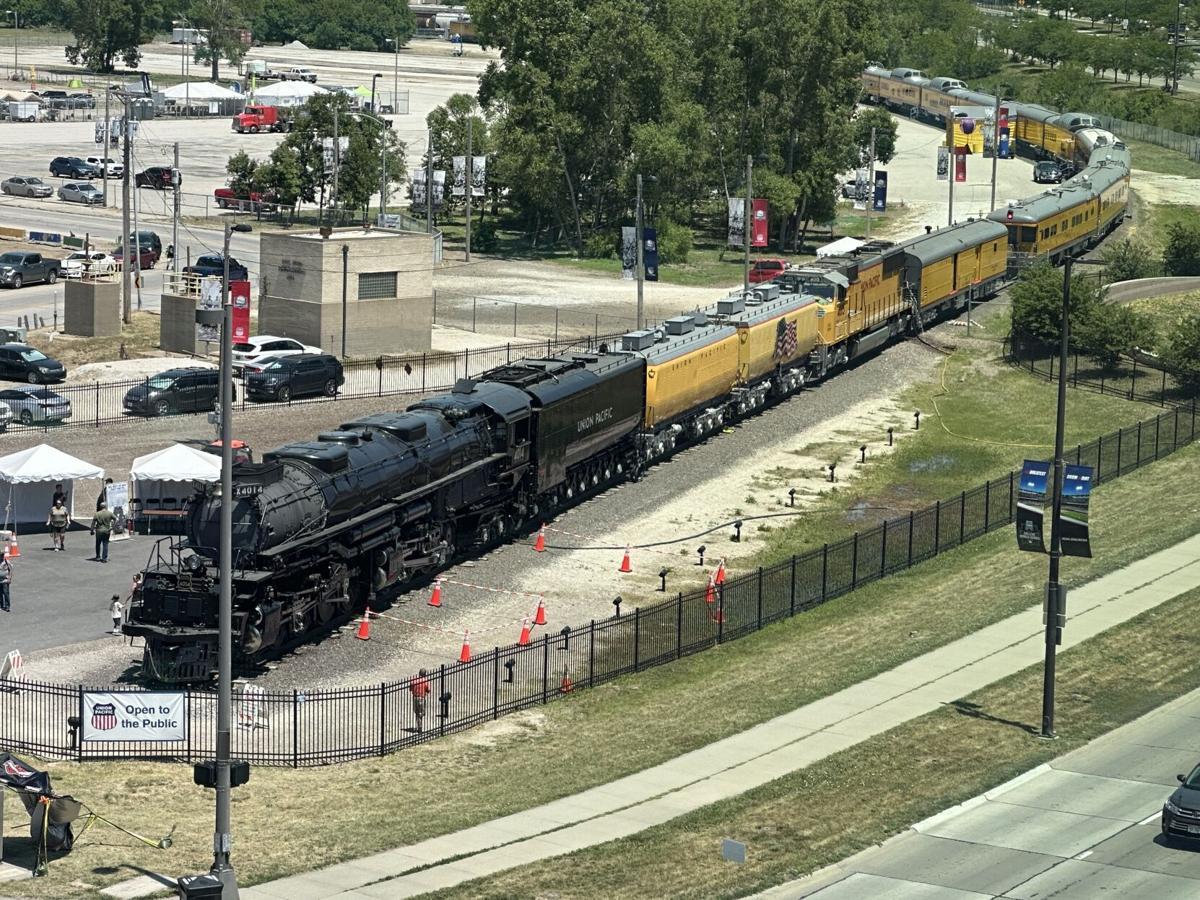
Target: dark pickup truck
(21,267)
(214,264)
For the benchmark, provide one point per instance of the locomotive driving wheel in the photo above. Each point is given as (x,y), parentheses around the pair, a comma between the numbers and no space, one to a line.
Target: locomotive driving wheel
(336,594)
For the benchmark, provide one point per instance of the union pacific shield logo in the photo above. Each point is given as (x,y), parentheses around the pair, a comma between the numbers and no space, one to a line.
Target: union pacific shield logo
(104,717)
(16,770)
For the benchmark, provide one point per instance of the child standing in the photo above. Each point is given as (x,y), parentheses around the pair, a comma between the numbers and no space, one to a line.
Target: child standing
(116,610)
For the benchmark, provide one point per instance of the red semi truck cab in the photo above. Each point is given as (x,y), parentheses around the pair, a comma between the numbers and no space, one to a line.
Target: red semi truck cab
(260,118)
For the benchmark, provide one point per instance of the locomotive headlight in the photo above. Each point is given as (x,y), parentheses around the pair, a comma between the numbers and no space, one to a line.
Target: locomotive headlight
(195,562)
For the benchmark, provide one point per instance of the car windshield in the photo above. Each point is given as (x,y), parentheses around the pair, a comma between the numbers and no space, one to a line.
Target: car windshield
(43,394)
(33,355)
(1193,779)
(160,382)
(76,256)
(210,261)
(11,259)
(34,181)
(87,188)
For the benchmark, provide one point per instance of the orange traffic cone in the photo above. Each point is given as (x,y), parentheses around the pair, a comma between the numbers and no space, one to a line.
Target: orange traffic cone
(566,686)
(464,655)
(539,617)
(718,616)
(524,638)
(719,578)
(436,598)
(540,544)
(364,627)
(14,549)
(625,566)
(710,592)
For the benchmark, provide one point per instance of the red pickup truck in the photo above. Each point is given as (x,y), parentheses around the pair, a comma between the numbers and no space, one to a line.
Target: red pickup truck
(261,118)
(227,199)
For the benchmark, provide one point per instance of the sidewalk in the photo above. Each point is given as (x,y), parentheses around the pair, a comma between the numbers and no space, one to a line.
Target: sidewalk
(744,761)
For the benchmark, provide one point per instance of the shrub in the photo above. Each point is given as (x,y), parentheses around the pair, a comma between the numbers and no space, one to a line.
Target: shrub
(674,242)
(1182,352)
(601,245)
(1108,331)
(483,237)
(1037,303)
(1127,260)
(1182,253)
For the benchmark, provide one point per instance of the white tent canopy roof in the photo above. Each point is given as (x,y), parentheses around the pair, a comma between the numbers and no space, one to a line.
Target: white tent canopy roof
(289,89)
(44,463)
(841,245)
(179,462)
(200,90)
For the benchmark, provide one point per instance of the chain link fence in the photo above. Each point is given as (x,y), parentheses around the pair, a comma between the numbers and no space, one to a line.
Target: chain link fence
(555,319)
(1152,134)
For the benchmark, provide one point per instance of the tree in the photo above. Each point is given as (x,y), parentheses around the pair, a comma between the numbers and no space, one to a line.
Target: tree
(885,134)
(1127,259)
(222,22)
(336,24)
(242,171)
(1037,303)
(106,30)
(1181,255)
(1108,331)
(1182,351)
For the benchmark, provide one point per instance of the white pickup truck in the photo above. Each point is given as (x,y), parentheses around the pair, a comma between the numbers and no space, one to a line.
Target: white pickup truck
(298,73)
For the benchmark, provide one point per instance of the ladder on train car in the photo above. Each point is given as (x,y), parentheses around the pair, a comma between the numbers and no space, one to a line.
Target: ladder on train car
(915,303)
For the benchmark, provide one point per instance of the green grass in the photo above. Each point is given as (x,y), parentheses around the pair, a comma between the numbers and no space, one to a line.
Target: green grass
(597,735)
(1152,158)
(1167,311)
(1152,220)
(834,808)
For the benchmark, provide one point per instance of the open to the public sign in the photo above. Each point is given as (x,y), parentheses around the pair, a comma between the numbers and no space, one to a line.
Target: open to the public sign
(134,716)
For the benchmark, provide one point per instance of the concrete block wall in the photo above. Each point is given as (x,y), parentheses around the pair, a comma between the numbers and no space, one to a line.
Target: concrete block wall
(92,308)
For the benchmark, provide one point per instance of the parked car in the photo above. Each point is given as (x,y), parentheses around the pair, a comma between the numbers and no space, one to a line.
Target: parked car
(299,73)
(29,403)
(157,177)
(294,376)
(6,417)
(81,101)
(228,199)
(20,362)
(94,262)
(214,264)
(81,192)
(188,389)
(18,267)
(1047,172)
(257,365)
(72,167)
(1181,812)
(146,258)
(767,269)
(148,240)
(115,169)
(261,346)
(26,186)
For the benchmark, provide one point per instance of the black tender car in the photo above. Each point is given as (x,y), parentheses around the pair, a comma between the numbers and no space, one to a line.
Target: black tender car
(294,376)
(214,264)
(72,167)
(20,362)
(157,177)
(188,389)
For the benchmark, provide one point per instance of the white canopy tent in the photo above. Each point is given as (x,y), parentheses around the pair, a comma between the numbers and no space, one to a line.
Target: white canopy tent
(32,475)
(287,93)
(841,245)
(200,92)
(161,482)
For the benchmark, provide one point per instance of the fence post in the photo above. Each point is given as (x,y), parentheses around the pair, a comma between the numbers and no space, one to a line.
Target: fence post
(295,729)
(792,591)
(637,633)
(679,625)
(854,564)
(1175,433)
(1133,380)
(1120,433)
(883,551)
(592,654)
(496,683)
(97,404)
(720,613)
(962,517)
(1078,454)
(545,666)
(1099,460)
(824,573)
(937,528)
(1162,394)
(382,717)
(474,304)
(987,505)
(381,376)
(1157,421)
(911,528)
(760,595)
(442,690)
(1011,479)
(424,366)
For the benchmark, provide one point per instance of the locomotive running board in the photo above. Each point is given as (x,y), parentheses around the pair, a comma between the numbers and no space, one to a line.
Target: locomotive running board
(393,505)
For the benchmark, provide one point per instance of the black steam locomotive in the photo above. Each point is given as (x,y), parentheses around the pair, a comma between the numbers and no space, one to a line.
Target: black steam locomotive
(320,528)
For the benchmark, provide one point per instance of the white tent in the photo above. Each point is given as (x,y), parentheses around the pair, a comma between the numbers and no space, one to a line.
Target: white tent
(32,475)
(841,245)
(162,480)
(200,91)
(287,93)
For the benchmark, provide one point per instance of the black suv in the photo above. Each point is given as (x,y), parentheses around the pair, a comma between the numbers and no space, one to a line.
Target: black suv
(1047,172)
(190,389)
(214,264)
(20,362)
(72,167)
(292,376)
(157,177)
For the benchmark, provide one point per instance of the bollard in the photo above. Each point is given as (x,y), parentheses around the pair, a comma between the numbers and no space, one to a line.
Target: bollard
(917,420)
(700,551)
(617,604)
(889,437)
(662,574)
(863,453)
(832,472)
(737,531)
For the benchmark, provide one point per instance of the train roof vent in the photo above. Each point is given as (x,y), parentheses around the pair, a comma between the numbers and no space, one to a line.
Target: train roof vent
(680,324)
(328,458)
(700,317)
(730,306)
(349,438)
(637,340)
(769,291)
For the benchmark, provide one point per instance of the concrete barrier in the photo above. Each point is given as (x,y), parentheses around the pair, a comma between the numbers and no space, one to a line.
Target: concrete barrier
(1125,291)
(17,234)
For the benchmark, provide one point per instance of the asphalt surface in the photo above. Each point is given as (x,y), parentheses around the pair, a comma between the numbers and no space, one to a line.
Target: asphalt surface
(1083,827)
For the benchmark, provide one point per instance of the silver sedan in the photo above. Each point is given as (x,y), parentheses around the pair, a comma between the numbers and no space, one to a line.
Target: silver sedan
(26,186)
(30,403)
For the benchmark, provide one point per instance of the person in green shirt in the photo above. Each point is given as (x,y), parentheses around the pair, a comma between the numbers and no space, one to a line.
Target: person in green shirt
(102,524)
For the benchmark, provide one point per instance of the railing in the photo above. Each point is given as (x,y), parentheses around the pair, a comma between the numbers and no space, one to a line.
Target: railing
(304,728)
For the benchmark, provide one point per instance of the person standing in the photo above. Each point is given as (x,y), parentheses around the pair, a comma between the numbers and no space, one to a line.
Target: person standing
(6,574)
(116,610)
(59,521)
(419,686)
(59,496)
(102,524)
(102,500)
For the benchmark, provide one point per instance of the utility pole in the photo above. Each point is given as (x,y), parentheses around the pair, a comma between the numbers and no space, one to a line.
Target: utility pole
(126,285)
(953,175)
(747,215)
(137,249)
(1175,53)
(337,164)
(871,182)
(641,268)
(104,155)
(175,218)
(429,182)
(383,179)
(471,182)
(995,149)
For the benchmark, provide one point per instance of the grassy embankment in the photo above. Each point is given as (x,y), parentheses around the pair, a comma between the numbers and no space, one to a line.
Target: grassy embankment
(620,728)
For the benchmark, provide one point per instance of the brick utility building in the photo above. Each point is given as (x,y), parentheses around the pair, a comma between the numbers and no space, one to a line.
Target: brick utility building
(379,282)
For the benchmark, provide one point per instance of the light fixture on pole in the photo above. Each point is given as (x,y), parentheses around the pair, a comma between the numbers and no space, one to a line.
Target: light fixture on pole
(222,842)
(639,228)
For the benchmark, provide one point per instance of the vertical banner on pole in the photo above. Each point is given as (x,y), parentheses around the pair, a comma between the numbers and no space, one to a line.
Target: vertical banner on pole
(943,163)
(628,252)
(737,216)
(861,188)
(1031,502)
(879,203)
(418,188)
(758,233)
(478,175)
(439,188)
(460,176)
(1002,125)
(650,253)
(960,164)
(1073,518)
(239,299)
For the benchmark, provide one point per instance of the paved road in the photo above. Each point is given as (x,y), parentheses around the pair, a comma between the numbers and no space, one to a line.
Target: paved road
(1083,827)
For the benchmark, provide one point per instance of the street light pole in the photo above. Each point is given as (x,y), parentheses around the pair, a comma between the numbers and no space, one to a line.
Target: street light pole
(373,79)
(995,149)
(395,42)
(1175,53)
(638,228)
(16,26)
(747,214)
(222,840)
(871,188)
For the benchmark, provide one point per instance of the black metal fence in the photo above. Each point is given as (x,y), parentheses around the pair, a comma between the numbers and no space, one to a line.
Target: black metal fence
(103,402)
(303,728)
